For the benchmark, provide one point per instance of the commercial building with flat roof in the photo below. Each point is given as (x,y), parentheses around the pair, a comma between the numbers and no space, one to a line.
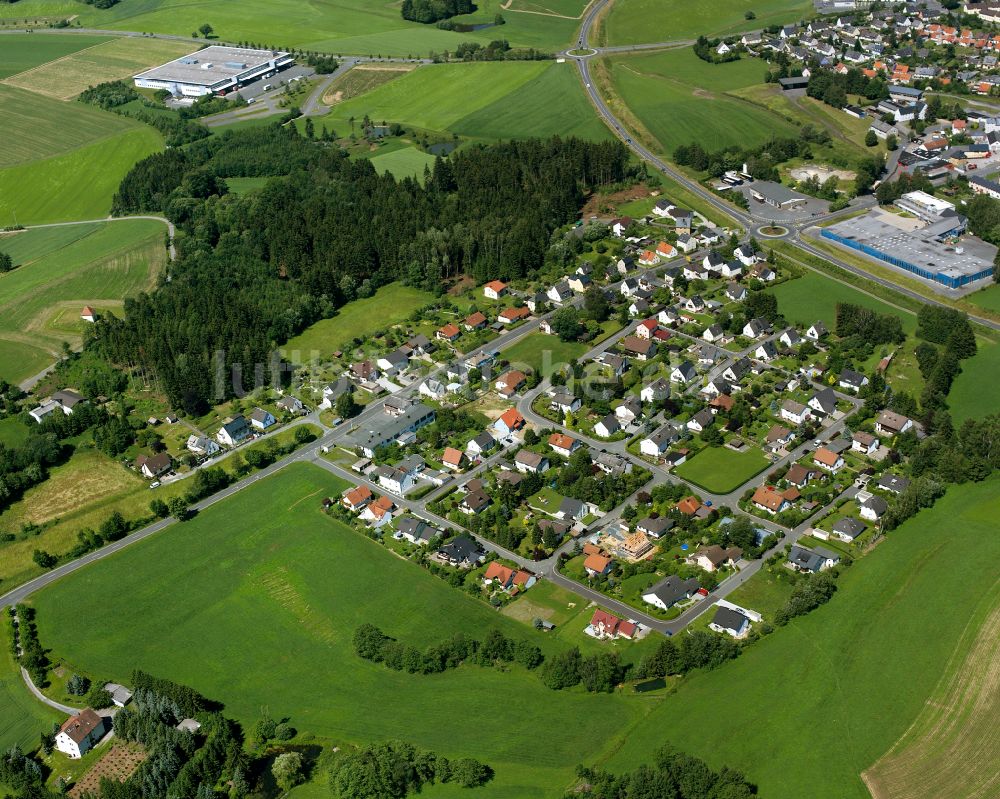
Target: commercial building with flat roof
(775,194)
(213,70)
(932,251)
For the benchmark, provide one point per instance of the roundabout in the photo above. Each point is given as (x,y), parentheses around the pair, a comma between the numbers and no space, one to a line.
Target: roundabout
(773,231)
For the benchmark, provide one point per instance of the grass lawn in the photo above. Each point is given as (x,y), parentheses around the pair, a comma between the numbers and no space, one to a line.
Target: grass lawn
(988,298)
(59,270)
(543,353)
(764,592)
(78,184)
(846,681)
(720,470)
(121,57)
(12,431)
(815,296)
(29,51)
(967,398)
(680,99)
(294,584)
(22,717)
(478,100)
(246,185)
(390,304)
(408,162)
(636,21)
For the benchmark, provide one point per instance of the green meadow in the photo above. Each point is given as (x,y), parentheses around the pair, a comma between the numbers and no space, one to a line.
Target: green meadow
(78,184)
(804,711)
(541,352)
(29,51)
(22,717)
(680,99)
(335,26)
(254,603)
(968,398)
(34,127)
(481,100)
(388,306)
(406,162)
(637,21)
(61,269)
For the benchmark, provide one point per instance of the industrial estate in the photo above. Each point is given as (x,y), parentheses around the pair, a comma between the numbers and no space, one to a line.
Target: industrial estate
(499,399)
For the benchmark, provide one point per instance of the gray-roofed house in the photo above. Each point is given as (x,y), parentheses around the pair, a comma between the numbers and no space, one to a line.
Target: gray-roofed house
(892,483)
(233,431)
(847,529)
(811,561)
(731,622)
(461,551)
(415,530)
(873,508)
(655,528)
(669,591)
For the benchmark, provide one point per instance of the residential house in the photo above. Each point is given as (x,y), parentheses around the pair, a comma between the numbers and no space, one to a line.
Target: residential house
(574,510)
(873,508)
(766,352)
(453,458)
(713,333)
(690,506)
(475,321)
(824,401)
(200,445)
(736,292)
(642,349)
(481,444)
(656,391)
(852,381)
(714,557)
(790,337)
(290,404)
(562,401)
(828,460)
(357,498)
(683,373)
(604,625)
(778,437)
(396,479)
(597,565)
(756,328)
(433,389)
(394,362)
(415,530)
(890,423)
(770,500)
(736,371)
(461,551)
(511,315)
(509,422)
(646,328)
(865,443)
(612,463)
(153,466)
(510,383)
(701,421)
(655,528)
(795,412)
(449,332)
(233,431)
(475,502)
(80,733)
(669,591)
(531,462)
(657,443)
(261,419)
(729,621)
(892,483)
(629,410)
(607,427)
(811,561)
(495,289)
(746,254)
(816,331)
(799,475)
(847,529)
(563,444)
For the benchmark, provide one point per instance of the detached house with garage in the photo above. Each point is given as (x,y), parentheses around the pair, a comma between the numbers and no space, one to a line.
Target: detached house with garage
(495,289)
(233,432)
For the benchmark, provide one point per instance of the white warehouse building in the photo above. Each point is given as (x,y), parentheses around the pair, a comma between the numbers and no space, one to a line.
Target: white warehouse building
(214,70)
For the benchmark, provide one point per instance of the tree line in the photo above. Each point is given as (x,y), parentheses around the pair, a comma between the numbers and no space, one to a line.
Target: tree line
(427,11)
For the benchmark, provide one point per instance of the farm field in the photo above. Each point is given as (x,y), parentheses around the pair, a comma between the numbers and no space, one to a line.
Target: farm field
(722,470)
(60,270)
(121,57)
(406,162)
(815,296)
(298,597)
(680,99)
(29,51)
(35,127)
(484,100)
(390,305)
(822,667)
(334,26)
(639,21)
(361,80)
(74,185)
(950,751)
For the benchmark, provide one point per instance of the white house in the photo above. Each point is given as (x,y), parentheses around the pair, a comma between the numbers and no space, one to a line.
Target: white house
(233,432)
(261,419)
(658,442)
(80,733)
(658,390)
(201,445)
(495,289)
(683,373)
(795,412)
(607,427)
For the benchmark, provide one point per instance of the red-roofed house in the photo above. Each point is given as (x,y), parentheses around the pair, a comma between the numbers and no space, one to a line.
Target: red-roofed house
(453,458)
(87,314)
(689,506)
(357,498)
(597,564)
(604,625)
(495,289)
(510,383)
(449,332)
(828,460)
(648,258)
(509,422)
(563,444)
(646,328)
(511,315)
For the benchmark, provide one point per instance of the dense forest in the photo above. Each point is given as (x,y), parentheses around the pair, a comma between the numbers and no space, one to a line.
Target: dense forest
(257,269)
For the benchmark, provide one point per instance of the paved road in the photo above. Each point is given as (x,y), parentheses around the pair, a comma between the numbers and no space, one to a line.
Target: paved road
(69,711)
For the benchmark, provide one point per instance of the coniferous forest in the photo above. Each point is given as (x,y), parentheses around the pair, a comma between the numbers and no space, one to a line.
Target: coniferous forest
(254,270)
